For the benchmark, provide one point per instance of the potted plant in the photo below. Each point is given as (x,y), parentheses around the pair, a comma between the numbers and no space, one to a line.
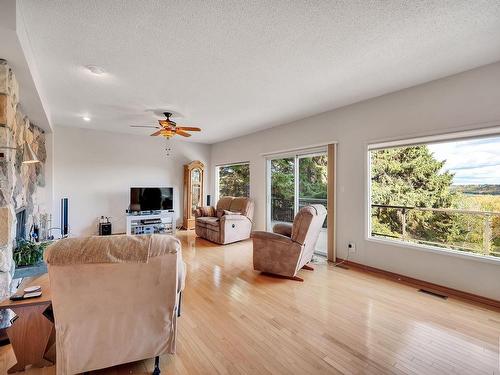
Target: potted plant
(29,253)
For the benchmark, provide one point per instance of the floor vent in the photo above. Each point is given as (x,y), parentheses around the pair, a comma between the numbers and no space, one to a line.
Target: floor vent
(435,294)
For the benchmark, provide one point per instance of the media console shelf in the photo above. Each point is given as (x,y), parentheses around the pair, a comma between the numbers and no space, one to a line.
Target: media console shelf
(163,222)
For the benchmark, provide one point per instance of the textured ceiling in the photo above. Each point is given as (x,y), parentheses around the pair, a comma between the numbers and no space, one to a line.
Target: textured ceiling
(234,67)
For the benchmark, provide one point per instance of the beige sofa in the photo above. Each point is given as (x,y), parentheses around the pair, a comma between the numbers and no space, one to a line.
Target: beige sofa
(229,221)
(115,299)
(290,247)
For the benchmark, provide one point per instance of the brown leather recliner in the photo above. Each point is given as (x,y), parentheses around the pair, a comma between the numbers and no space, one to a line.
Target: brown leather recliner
(290,247)
(229,221)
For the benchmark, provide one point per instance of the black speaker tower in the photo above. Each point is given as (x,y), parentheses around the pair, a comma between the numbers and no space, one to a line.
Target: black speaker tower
(208,200)
(64,217)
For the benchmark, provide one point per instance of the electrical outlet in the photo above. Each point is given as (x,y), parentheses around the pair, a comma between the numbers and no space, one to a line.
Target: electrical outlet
(351,246)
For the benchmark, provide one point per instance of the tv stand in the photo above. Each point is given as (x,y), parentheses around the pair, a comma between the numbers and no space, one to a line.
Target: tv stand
(162,222)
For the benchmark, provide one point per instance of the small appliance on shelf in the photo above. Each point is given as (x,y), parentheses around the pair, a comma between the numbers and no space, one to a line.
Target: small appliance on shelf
(104,226)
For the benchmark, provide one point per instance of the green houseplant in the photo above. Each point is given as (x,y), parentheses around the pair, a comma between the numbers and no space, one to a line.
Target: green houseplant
(29,253)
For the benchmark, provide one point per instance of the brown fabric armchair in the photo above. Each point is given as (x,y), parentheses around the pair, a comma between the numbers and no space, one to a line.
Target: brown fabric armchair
(290,247)
(116,299)
(229,221)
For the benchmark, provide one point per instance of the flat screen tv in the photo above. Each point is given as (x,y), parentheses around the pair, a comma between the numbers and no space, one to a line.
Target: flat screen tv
(151,198)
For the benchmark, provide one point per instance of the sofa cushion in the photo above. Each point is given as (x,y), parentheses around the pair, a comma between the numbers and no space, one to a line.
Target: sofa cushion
(224,203)
(208,222)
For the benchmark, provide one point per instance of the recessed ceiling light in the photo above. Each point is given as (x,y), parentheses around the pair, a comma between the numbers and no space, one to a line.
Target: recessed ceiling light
(95,69)
(86,118)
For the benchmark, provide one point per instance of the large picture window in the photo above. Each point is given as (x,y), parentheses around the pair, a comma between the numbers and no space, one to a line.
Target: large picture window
(440,194)
(233,180)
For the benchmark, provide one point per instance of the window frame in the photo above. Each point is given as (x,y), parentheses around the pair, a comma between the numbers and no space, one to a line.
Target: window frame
(488,132)
(216,180)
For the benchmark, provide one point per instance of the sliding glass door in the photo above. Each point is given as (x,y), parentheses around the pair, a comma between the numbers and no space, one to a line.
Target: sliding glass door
(282,202)
(295,181)
(312,188)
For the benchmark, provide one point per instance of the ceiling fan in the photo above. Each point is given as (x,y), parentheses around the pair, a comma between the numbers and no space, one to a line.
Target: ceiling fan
(169,128)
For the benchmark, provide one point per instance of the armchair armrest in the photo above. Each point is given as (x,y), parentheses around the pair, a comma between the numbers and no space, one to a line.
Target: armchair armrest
(268,236)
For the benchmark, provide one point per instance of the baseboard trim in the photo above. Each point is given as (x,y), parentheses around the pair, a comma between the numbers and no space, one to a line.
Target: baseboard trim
(458,294)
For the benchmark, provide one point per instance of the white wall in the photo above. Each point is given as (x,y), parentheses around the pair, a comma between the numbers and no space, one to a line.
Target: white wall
(459,102)
(95,170)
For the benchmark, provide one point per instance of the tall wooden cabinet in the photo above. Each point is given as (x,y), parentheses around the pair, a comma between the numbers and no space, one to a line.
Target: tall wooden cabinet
(194,174)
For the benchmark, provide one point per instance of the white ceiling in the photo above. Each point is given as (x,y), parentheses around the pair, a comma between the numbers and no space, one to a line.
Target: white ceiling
(235,67)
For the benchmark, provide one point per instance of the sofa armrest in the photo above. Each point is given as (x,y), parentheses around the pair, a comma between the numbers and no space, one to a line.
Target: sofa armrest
(181,281)
(204,211)
(233,217)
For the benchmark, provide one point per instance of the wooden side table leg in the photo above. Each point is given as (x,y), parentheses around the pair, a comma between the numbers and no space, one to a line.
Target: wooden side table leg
(29,335)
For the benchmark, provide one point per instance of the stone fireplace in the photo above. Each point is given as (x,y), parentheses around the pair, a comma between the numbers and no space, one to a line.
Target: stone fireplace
(18,181)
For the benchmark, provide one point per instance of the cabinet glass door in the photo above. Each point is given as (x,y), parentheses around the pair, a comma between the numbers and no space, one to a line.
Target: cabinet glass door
(195,189)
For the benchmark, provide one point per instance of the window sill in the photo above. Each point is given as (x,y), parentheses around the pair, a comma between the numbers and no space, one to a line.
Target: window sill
(436,250)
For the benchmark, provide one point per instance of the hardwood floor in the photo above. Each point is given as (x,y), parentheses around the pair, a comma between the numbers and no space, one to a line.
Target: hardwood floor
(236,321)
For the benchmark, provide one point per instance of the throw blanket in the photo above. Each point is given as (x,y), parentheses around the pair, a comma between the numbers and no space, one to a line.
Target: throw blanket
(110,249)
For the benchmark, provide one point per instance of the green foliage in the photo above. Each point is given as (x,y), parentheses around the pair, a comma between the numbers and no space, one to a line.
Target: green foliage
(29,253)
(313,177)
(410,176)
(282,179)
(234,180)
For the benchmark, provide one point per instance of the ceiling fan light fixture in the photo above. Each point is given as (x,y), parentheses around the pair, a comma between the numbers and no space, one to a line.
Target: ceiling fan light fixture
(168,128)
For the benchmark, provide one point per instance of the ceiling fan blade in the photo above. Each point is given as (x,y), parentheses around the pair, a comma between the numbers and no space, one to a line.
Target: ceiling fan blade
(189,128)
(143,126)
(181,132)
(156,133)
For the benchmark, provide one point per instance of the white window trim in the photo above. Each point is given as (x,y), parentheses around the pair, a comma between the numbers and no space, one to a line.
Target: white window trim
(293,151)
(451,136)
(216,174)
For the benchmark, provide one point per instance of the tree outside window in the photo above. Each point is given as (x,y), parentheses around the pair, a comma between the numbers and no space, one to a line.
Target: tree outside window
(234,180)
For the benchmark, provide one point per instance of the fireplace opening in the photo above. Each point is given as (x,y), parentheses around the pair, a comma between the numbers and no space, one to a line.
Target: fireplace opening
(20,225)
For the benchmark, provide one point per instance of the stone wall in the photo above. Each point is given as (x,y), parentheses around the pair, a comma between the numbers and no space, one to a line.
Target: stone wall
(18,181)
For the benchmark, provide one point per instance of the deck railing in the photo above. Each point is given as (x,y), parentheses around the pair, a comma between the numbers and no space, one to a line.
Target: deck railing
(282,210)
(480,229)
